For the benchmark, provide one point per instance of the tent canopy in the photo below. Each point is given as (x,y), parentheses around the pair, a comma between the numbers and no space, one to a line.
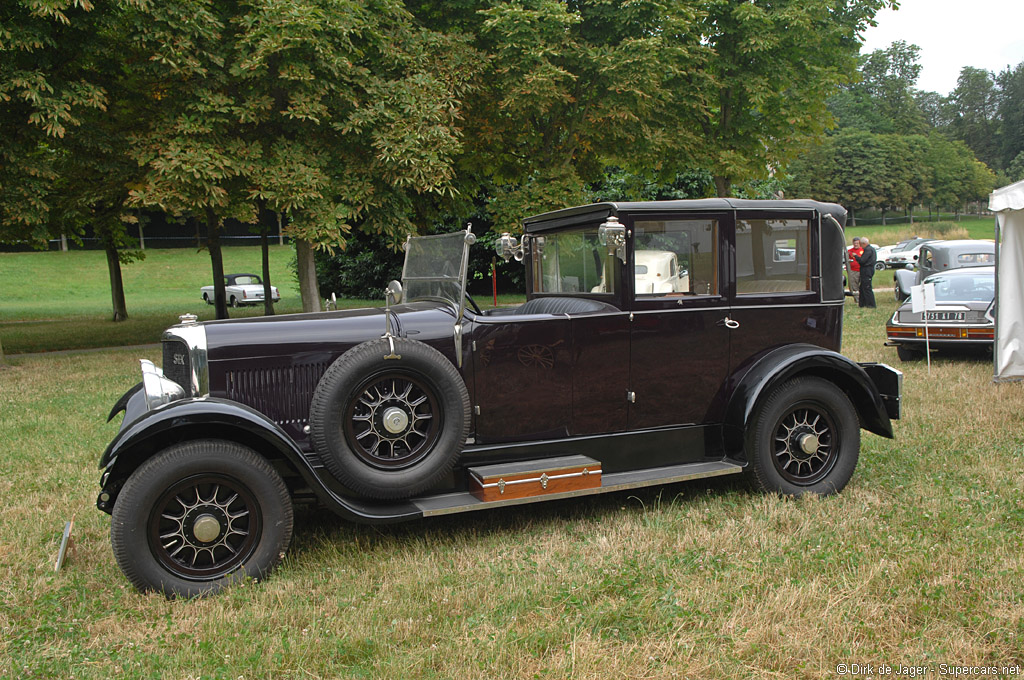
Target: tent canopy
(1008,204)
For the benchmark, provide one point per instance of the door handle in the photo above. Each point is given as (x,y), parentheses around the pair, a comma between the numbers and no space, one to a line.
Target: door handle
(729,323)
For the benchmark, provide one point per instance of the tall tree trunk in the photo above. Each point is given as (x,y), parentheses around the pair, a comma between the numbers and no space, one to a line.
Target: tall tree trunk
(116,284)
(853,218)
(308,287)
(3,364)
(268,298)
(723,186)
(910,211)
(220,301)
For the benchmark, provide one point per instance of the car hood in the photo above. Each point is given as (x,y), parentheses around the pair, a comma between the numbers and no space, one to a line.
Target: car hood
(323,332)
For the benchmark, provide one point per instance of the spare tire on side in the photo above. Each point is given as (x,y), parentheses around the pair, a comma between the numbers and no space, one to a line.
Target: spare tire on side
(390,424)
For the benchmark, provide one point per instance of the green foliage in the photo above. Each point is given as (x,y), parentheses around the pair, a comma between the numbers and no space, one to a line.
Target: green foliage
(771,68)
(860,170)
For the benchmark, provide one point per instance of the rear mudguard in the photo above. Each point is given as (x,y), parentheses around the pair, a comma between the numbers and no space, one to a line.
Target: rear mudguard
(791,361)
(905,280)
(145,434)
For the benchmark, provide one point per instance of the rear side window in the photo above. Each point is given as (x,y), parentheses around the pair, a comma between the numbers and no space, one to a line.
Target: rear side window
(773,256)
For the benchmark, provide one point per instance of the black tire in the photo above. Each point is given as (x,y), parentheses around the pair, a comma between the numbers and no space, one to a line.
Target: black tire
(426,402)
(206,299)
(879,266)
(908,353)
(234,301)
(204,485)
(799,408)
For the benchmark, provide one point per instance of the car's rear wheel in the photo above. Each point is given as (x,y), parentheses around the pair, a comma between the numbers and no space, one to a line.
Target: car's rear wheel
(234,301)
(805,439)
(879,266)
(200,516)
(206,299)
(389,424)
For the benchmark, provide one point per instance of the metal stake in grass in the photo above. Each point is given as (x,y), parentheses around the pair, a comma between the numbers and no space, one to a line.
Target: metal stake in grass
(65,543)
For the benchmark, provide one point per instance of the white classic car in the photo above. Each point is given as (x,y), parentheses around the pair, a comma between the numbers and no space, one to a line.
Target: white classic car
(241,289)
(656,271)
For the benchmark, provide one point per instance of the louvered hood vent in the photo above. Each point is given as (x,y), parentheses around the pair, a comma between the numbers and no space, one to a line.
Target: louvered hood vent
(282,394)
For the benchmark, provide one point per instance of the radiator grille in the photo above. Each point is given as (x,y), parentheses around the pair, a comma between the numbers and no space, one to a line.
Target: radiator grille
(282,394)
(177,365)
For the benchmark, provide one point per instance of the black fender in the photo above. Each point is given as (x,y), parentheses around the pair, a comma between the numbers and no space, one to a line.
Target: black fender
(784,363)
(214,418)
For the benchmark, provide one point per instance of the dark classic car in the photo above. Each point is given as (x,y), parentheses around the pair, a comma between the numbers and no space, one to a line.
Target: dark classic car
(962,319)
(941,256)
(601,381)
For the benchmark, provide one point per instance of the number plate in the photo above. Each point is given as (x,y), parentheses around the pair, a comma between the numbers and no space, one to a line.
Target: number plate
(945,316)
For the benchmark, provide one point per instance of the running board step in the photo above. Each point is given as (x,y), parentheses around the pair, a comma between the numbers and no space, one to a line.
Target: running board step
(451,503)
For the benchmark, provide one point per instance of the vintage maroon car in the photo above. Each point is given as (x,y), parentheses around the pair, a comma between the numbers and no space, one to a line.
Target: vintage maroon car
(433,406)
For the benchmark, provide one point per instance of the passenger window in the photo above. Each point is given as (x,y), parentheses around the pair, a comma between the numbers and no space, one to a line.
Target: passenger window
(675,257)
(773,256)
(572,262)
(926,259)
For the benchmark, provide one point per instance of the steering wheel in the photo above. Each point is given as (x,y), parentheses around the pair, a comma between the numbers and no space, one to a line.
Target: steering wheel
(473,304)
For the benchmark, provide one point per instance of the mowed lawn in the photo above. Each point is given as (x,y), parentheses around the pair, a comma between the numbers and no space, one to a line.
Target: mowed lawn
(920,561)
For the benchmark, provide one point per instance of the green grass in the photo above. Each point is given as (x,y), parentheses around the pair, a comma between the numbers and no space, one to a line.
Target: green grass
(974,227)
(56,300)
(919,561)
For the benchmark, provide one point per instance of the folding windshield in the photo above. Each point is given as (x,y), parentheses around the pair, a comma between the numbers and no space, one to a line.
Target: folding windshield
(435,267)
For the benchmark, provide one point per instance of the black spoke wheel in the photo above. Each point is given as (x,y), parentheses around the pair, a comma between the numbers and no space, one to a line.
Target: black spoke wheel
(389,418)
(205,526)
(200,516)
(805,439)
(393,420)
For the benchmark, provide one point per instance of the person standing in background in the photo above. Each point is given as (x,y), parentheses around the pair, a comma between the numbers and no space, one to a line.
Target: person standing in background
(853,276)
(866,260)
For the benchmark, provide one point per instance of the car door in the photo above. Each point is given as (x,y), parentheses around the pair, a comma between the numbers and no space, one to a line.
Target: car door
(679,340)
(776,301)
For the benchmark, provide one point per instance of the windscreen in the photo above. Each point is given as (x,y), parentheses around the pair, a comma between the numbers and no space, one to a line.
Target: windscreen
(435,267)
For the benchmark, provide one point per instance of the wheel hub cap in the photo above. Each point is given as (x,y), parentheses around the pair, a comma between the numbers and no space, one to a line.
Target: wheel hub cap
(808,443)
(206,528)
(395,420)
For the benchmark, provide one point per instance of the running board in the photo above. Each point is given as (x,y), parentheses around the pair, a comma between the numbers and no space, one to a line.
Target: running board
(451,503)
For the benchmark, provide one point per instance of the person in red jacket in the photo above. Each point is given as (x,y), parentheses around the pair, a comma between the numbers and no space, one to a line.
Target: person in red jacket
(853,279)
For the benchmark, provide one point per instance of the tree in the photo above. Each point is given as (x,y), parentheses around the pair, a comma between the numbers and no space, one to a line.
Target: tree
(566,89)
(888,77)
(975,105)
(772,67)
(1011,114)
(53,81)
(333,114)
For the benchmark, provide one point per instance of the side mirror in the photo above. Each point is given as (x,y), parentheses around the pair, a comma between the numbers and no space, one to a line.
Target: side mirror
(508,246)
(393,292)
(612,235)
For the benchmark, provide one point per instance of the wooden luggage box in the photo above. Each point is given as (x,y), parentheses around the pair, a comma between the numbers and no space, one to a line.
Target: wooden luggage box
(534,478)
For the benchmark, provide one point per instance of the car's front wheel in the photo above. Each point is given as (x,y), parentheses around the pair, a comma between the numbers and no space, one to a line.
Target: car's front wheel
(805,439)
(200,516)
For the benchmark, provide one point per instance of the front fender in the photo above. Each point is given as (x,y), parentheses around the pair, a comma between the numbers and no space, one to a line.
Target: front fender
(785,363)
(213,418)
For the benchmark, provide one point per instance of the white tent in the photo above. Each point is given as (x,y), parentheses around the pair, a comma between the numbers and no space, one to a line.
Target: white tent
(1008,204)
